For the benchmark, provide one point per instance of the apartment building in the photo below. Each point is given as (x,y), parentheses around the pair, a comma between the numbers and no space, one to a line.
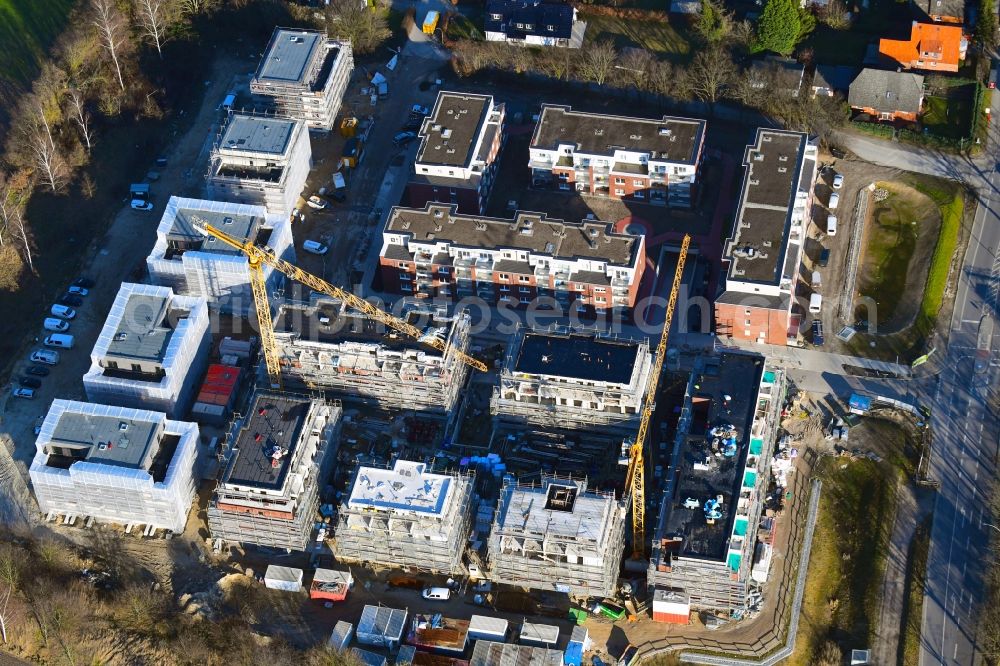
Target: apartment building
(260,160)
(304,75)
(459,152)
(325,347)
(114,465)
(276,455)
(534,23)
(438,252)
(648,160)
(706,531)
(406,517)
(561,379)
(557,536)
(193,264)
(765,251)
(151,351)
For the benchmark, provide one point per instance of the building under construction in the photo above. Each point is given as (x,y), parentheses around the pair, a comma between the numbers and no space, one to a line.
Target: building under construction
(406,517)
(304,74)
(570,380)
(325,347)
(275,457)
(557,536)
(707,529)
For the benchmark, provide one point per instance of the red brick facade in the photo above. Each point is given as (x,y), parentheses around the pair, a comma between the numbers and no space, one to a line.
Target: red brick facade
(744,322)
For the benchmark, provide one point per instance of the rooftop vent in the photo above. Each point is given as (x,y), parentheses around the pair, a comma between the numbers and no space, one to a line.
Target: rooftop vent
(593,232)
(635,137)
(549,248)
(758,157)
(665,131)
(120,337)
(122,426)
(783,158)
(446,133)
(435,128)
(438,213)
(767,138)
(782,170)
(480,226)
(599,132)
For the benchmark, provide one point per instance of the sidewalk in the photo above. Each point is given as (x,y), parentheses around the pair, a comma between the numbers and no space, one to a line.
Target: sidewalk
(816,361)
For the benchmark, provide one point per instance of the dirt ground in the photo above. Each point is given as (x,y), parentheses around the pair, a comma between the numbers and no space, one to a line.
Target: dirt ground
(897,246)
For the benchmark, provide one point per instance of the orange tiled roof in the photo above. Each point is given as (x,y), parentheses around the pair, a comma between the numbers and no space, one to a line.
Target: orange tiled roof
(929,42)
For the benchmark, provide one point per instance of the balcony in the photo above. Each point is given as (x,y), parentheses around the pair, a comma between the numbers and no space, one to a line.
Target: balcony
(541,165)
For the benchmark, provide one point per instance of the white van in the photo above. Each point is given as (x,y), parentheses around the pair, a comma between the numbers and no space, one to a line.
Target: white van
(55,324)
(817,280)
(46,356)
(834,201)
(62,311)
(314,247)
(436,593)
(815,303)
(831,225)
(60,340)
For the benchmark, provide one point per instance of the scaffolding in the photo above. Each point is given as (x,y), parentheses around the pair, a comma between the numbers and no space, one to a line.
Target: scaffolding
(269,496)
(314,93)
(406,517)
(557,399)
(557,536)
(324,347)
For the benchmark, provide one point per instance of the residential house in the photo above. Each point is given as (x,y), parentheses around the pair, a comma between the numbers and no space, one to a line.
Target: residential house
(943,11)
(829,80)
(776,74)
(534,23)
(886,95)
(931,47)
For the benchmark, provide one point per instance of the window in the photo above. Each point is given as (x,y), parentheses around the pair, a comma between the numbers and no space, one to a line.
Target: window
(619,192)
(504,287)
(600,290)
(496,17)
(520,26)
(136,367)
(405,276)
(639,183)
(405,287)
(403,266)
(639,195)
(550,28)
(619,181)
(484,255)
(601,299)
(524,278)
(504,276)
(524,290)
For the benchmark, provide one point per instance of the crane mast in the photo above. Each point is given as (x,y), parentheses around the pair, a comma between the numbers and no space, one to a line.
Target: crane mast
(635,480)
(258,257)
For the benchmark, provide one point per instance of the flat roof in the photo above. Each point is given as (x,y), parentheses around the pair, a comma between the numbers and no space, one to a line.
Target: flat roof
(407,488)
(725,395)
(776,168)
(534,232)
(272,425)
(530,510)
(238,225)
(142,334)
(578,356)
(124,440)
(491,653)
(448,135)
(668,138)
(288,55)
(257,134)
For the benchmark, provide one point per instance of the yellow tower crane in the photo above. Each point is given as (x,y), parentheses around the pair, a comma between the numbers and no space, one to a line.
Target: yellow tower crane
(635,480)
(258,257)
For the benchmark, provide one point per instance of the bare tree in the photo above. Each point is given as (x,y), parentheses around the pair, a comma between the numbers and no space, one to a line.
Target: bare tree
(711,72)
(78,112)
(113,33)
(365,28)
(635,65)
(155,19)
(192,7)
(40,147)
(21,229)
(599,61)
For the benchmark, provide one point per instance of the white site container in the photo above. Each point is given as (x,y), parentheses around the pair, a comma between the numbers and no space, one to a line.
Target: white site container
(489,628)
(342,633)
(545,635)
(288,579)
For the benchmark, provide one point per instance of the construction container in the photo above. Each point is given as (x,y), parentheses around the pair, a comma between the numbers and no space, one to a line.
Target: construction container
(288,579)
(342,633)
(217,394)
(439,634)
(330,584)
(579,642)
(544,635)
(369,658)
(348,127)
(491,653)
(671,607)
(381,626)
(430,22)
(490,628)
(239,348)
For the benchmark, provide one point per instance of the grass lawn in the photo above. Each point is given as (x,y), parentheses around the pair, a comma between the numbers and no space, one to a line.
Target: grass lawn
(841,600)
(838,47)
(655,36)
(462,27)
(916,577)
(888,250)
(949,199)
(950,116)
(27,29)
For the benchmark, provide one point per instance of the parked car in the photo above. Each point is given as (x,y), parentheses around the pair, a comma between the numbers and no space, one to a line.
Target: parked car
(831,225)
(834,201)
(27,393)
(55,324)
(84,282)
(30,382)
(315,202)
(436,593)
(46,356)
(403,138)
(824,257)
(817,331)
(62,311)
(38,424)
(314,247)
(37,370)
(139,204)
(70,299)
(77,291)
(59,340)
(421,110)
(838,181)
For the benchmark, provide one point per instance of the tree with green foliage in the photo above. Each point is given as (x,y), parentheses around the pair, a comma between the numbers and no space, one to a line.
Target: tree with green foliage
(714,23)
(779,27)
(986,24)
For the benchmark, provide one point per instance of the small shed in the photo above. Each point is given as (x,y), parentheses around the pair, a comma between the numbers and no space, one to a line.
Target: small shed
(671,607)
(544,635)
(381,626)
(369,658)
(330,584)
(489,628)
(579,642)
(288,579)
(343,631)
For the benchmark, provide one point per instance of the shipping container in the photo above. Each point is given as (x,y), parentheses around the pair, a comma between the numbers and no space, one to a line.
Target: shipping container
(671,607)
(491,628)
(288,579)
(545,635)
(341,636)
(330,584)
(381,626)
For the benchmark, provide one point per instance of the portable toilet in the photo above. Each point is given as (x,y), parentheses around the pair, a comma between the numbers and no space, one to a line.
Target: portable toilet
(430,22)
